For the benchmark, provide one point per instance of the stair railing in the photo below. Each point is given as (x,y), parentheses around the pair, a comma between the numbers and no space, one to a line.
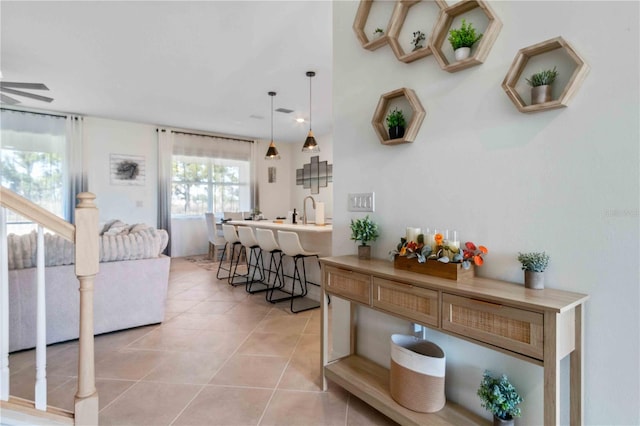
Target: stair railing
(85,236)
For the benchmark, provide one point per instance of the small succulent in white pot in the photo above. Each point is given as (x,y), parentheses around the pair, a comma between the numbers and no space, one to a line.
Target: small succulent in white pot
(534,265)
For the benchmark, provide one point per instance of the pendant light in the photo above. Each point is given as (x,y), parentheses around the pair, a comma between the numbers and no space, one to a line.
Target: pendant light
(272,152)
(310,144)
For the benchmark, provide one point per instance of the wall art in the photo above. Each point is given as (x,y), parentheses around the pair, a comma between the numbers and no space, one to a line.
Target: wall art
(127,169)
(314,175)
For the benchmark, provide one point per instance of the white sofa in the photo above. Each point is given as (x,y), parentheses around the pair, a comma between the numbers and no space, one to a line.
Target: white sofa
(128,293)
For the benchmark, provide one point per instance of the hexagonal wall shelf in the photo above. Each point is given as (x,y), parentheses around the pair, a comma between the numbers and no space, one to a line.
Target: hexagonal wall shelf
(397,21)
(520,62)
(415,121)
(360,23)
(480,50)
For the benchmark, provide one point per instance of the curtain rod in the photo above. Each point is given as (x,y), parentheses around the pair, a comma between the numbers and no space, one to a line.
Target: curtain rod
(211,136)
(37,113)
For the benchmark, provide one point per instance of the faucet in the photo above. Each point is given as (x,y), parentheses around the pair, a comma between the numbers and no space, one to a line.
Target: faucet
(304,208)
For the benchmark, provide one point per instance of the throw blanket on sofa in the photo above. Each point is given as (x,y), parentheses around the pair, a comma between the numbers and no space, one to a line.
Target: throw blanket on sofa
(118,241)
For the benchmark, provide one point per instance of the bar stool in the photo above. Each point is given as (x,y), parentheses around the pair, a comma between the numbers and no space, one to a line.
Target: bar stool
(215,240)
(268,244)
(253,257)
(232,241)
(290,245)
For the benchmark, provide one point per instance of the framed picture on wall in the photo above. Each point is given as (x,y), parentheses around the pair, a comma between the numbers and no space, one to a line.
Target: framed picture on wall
(272,174)
(127,169)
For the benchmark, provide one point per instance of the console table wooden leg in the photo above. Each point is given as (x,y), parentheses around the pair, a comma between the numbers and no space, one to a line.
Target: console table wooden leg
(324,327)
(551,371)
(576,371)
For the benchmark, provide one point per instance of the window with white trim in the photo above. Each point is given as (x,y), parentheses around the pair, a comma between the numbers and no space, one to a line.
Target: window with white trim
(209,174)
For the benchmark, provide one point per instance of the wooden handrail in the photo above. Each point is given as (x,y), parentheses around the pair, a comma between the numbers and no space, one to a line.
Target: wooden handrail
(24,207)
(84,234)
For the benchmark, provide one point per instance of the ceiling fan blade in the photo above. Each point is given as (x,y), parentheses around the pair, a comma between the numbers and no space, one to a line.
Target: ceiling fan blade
(32,86)
(8,100)
(26,95)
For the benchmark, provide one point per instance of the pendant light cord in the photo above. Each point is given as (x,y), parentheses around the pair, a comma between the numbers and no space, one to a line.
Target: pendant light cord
(311,76)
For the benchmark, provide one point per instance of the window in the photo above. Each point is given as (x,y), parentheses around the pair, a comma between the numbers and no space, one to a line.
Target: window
(201,184)
(33,162)
(209,174)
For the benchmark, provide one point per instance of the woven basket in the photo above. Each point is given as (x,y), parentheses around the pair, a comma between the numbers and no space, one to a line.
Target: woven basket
(417,374)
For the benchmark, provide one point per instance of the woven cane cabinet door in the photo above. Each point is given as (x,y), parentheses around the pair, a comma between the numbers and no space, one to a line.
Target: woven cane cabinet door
(348,284)
(510,328)
(414,303)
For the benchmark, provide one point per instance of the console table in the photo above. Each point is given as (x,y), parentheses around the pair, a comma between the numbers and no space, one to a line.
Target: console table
(538,326)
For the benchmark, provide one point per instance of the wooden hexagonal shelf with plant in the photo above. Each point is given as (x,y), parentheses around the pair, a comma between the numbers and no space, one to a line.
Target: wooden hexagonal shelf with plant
(558,84)
(377,12)
(418,15)
(395,109)
(473,16)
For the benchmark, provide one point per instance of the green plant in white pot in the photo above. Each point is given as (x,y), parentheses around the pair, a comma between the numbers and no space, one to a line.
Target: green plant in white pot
(533,265)
(462,40)
(500,397)
(364,230)
(540,83)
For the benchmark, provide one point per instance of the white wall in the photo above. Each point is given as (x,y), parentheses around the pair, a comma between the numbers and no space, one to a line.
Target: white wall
(298,193)
(131,204)
(275,198)
(134,204)
(564,181)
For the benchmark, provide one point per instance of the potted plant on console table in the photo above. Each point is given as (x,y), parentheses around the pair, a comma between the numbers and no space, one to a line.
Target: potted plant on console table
(364,230)
(533,265)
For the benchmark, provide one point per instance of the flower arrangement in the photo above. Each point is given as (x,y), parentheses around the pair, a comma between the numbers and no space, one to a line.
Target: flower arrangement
(441,251)
(499,396)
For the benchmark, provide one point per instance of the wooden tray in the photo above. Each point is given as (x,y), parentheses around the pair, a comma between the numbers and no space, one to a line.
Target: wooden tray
(451,271)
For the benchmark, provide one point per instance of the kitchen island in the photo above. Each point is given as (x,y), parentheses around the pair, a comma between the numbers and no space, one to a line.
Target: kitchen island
(313,238)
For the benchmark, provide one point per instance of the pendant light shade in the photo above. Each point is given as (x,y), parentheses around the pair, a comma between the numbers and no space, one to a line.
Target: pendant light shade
(310,144)
(272,152)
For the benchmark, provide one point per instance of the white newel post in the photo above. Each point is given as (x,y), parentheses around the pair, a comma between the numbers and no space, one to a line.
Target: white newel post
(87,258)
(41,326)
(4,304)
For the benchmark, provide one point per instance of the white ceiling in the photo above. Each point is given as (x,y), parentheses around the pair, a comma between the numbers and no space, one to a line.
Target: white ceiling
(201,65)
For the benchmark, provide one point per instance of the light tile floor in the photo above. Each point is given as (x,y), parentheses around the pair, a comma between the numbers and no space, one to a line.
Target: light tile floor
(221,357)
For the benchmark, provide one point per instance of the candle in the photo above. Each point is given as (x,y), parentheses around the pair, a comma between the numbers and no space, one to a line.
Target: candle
(412,234)
(454,245)
(433,241)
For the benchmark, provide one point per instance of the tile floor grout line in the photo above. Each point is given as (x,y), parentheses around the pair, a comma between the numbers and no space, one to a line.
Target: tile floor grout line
(187,405)
(284,370)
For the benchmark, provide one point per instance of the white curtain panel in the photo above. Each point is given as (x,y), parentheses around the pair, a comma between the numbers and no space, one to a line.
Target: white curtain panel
(165,153)
(77,176)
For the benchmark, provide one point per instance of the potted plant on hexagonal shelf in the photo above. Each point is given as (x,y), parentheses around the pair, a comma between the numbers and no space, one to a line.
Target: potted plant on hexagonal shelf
(462,39)
(379,32)
(396,123)
(418,38)
(540,83)
(500,397)
(364,230)
(533,265)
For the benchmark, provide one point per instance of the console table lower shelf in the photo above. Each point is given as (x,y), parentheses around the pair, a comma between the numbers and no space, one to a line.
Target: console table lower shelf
(370,382)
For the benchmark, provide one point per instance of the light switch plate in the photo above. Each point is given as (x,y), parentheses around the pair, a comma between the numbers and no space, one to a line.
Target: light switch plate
(363,202)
